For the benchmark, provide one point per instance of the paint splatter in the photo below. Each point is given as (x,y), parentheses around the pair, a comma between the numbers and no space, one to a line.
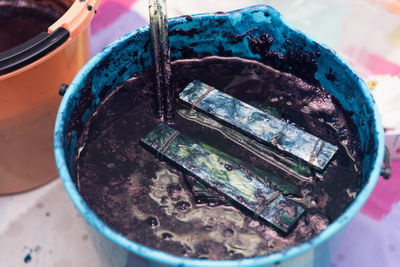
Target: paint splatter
(384,196)
(108,12)
(28,258)
(341,257)
(373,64)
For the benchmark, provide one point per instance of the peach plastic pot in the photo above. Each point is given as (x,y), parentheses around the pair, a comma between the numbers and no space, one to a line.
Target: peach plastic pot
(29,82)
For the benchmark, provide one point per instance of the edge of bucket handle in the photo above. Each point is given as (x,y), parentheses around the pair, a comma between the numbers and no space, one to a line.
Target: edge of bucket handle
(62,89)
(77,18)
(386,169)
(32,50)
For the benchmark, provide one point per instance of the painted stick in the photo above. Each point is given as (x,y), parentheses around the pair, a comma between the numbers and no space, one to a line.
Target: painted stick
(155,43)
(259,125)
(165,61)
(208,195)
(229,179)
(161,58)
(266,178)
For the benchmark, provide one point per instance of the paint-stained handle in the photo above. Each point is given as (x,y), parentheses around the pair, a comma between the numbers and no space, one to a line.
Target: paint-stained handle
(32,50)
(387,169)
(77,18)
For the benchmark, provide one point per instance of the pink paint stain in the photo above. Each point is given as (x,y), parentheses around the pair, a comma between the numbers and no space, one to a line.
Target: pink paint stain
(368,63)
(385,194)
(108,12)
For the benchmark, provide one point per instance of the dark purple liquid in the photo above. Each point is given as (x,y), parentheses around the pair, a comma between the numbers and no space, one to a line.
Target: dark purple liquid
(150,202)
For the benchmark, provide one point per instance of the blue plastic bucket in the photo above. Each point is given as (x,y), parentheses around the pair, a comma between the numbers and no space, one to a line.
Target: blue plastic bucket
(131,54)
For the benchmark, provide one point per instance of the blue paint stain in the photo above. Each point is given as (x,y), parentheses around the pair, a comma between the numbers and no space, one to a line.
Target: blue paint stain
(28,258)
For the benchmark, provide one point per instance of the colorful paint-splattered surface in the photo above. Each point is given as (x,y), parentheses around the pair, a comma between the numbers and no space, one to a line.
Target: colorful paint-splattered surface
(42,227)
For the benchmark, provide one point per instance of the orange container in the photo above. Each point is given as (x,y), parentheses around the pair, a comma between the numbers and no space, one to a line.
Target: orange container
(30,76)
